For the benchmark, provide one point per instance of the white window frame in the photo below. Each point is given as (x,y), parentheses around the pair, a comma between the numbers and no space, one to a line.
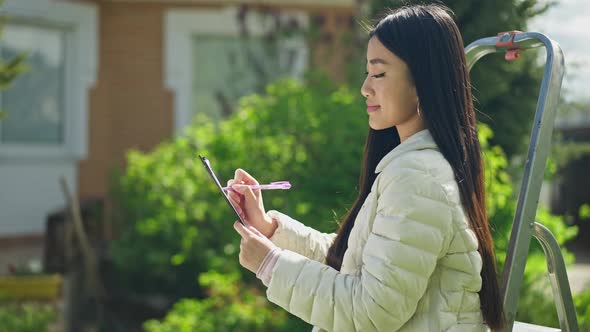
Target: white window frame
(179,27)
(81,45)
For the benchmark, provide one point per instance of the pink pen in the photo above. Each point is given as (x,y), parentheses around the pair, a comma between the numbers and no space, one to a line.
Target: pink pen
(272,185)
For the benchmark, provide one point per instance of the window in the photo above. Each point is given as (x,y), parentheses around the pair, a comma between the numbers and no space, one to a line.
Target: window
(35,103)
(209,66)
(47,106)
(224,71)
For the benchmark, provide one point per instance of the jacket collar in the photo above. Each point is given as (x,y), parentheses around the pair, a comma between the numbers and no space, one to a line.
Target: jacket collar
(419,141)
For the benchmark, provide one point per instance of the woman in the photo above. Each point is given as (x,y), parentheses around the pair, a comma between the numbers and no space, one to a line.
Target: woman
(415,252)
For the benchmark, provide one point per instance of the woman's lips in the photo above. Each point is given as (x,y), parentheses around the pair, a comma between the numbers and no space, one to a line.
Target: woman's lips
(372,108)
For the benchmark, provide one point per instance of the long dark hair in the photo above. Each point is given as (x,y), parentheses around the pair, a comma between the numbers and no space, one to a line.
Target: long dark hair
(427,39)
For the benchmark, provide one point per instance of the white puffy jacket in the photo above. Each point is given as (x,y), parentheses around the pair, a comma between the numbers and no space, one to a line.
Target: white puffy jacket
(412,262)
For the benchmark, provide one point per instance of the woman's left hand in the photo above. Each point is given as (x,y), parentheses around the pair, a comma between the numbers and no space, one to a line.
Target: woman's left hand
(253,247)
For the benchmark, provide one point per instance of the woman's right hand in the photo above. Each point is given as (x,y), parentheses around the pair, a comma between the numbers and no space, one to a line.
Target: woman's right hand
(249,203)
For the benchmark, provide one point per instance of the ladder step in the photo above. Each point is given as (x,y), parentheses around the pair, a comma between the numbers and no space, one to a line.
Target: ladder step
(525,327)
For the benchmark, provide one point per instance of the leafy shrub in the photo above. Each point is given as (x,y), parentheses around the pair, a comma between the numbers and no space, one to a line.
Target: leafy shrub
(536,304)
(173,224)
(582,303)
(26,317)
(230,306)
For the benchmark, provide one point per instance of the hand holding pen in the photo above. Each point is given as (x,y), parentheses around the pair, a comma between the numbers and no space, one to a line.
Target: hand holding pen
(249,202)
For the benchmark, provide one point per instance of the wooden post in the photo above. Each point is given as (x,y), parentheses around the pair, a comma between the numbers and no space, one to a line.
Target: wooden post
(81,281)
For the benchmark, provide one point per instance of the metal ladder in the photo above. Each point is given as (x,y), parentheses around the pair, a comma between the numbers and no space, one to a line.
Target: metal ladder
(524,227)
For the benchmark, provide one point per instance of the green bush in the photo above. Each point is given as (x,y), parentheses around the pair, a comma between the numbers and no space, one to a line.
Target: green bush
(26,317)
(230,306)
(173,223)
(582,302)
(536,303)
(177,227)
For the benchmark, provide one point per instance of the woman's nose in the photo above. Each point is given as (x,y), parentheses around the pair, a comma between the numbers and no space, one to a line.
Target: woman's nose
(366,89)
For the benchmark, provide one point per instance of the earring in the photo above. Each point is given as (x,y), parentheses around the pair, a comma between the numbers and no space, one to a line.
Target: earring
(418,109)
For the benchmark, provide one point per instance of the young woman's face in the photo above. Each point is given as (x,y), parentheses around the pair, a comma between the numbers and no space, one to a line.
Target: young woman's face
(389,90)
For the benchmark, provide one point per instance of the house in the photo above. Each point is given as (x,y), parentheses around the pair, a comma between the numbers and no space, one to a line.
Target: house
(107,76)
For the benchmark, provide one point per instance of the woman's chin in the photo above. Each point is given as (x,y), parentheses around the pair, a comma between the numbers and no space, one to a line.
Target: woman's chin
(377,126)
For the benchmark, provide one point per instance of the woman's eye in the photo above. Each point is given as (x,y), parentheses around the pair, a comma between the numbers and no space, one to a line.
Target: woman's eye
(375,76)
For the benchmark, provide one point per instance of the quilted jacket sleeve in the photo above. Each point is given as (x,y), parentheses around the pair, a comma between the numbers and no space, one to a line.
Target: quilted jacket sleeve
(294,236)
(411,227)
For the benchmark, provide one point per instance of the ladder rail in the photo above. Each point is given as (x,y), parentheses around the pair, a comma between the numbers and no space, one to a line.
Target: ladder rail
(566,310)
(540,141)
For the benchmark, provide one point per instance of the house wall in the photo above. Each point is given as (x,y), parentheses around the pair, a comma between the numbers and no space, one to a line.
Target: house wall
(129,107)
(30,170)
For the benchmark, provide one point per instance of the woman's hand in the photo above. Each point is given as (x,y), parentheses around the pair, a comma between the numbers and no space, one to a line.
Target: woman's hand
(253,247)
(249,203)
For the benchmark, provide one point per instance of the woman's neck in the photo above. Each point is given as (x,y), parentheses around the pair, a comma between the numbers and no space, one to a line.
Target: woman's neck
(410,127)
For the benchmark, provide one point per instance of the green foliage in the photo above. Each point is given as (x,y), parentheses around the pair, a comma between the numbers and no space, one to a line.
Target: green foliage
(173,222)
(10,68)
(230,306)
(536,304)
(582,303)
(501,200)
(26,317)
(585,211)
